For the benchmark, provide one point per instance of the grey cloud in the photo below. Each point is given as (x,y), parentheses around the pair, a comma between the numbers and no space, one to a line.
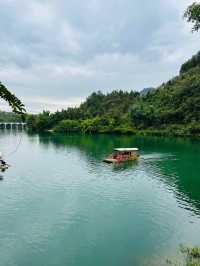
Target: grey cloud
(60,49)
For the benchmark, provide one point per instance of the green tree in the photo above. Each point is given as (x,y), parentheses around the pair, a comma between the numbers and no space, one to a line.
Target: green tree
(191,63)
(10,116)
(65,126)
(144,115)
(16,105)
(192,14)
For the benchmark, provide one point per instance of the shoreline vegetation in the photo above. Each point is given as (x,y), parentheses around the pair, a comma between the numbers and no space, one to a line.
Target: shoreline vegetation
(172,109)
(190,256)
(9,117)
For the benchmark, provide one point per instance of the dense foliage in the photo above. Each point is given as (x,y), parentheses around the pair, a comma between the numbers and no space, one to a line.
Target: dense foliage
(192,14)
(171,109)
(16,105)
(10,117)
(99,113)
(176,102)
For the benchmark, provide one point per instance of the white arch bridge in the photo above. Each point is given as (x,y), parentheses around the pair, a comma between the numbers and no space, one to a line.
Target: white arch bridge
(12,125)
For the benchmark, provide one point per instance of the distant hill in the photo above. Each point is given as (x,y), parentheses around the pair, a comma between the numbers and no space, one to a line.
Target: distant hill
(171,109)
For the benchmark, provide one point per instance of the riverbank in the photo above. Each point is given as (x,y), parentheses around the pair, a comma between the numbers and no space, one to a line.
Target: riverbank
(173,131)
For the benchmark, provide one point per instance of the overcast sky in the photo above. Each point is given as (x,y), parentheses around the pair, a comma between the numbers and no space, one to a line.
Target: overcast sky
(54,53)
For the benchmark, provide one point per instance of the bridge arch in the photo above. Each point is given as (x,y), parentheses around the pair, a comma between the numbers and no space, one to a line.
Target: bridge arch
(13,125)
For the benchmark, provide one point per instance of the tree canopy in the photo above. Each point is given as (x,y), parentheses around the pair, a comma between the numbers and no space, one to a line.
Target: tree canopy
(192,14)
(191,63)
(10,117)
(16,105)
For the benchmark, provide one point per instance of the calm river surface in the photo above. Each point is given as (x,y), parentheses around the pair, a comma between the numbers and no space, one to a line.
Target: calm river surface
(61,205)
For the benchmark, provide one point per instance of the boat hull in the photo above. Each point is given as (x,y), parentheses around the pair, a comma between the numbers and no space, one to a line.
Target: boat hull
(112,160)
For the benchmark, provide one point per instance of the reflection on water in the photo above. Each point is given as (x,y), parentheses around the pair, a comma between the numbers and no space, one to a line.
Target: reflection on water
(124,165)
(61,205)
(177,160)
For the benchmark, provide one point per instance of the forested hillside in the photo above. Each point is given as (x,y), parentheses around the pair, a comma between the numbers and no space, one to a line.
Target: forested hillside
(192,63)
(171,109)
(175,103)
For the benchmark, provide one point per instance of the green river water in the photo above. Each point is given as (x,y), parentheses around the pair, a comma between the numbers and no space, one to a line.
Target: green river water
(60,205)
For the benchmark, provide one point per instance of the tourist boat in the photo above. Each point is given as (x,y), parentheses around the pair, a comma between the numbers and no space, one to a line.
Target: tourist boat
(122,155)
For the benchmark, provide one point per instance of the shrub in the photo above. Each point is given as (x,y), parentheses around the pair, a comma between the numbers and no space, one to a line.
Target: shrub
(67,126)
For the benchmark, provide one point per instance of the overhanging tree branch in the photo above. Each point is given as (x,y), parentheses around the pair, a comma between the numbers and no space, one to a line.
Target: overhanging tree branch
(16,105)
(192,14)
